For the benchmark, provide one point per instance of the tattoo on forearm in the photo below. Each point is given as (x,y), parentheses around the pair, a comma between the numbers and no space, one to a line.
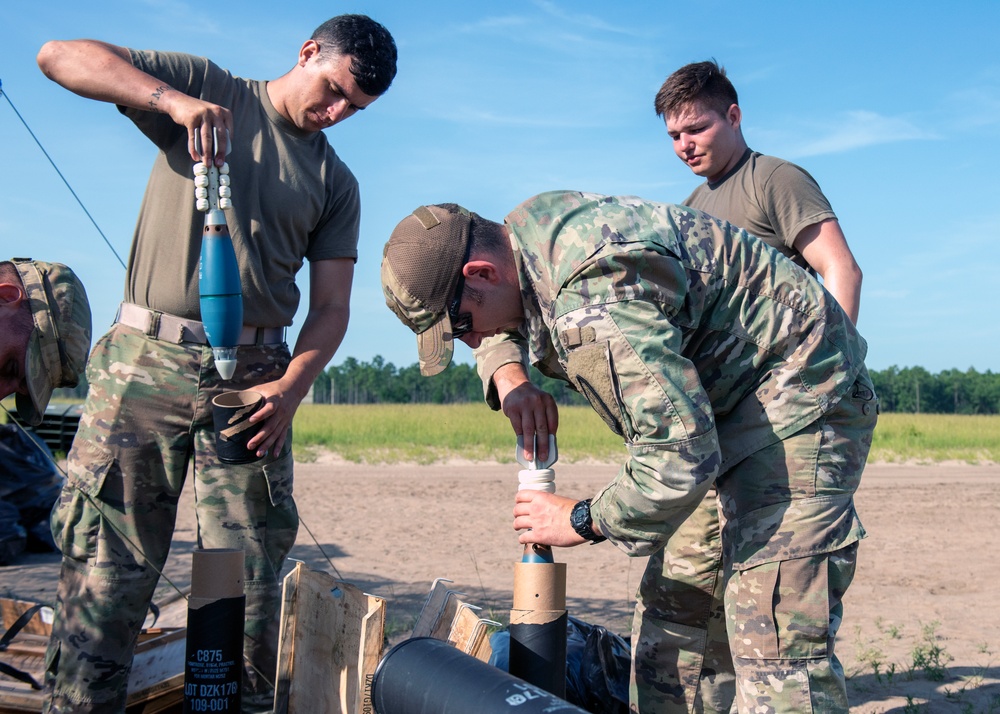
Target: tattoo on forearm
(155,97)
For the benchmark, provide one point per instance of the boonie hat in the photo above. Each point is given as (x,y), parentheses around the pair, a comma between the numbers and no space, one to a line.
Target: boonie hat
(421,266)
(60,341)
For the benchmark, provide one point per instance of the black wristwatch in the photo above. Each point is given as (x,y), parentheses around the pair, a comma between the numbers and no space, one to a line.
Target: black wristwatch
(583,523)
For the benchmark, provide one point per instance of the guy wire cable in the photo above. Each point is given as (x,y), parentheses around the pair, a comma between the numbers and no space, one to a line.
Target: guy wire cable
(7,97)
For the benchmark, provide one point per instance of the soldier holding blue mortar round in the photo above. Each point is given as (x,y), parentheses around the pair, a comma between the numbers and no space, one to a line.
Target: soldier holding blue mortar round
(148,415)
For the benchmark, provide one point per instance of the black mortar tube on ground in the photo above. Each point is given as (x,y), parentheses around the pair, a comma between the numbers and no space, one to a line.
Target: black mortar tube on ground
(538,626)
(429,676)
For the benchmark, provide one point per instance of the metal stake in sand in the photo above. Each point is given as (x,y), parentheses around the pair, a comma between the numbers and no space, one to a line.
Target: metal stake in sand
(538,618)
(213,668)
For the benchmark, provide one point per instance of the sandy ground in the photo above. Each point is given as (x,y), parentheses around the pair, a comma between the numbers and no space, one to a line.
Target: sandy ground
(926,590)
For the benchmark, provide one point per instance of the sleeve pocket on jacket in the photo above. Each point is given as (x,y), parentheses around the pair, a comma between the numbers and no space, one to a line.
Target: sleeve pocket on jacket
(589,368)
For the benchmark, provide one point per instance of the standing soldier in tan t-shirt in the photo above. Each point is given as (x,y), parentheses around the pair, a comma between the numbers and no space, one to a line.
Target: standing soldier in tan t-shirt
(152,375)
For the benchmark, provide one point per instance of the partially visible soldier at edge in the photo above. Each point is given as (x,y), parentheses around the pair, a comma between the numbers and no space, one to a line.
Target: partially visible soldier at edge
(45,329)
(148,412)
(717,360)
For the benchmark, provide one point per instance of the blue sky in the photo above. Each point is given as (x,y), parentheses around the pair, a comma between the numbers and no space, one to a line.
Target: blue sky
(893,107)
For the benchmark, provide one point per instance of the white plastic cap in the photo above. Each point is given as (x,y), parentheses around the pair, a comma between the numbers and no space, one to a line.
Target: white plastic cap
(225,361)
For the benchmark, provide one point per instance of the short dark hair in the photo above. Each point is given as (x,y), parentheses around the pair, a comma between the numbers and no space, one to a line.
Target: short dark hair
(369,45)
(705,82)
(488,236)
(8,272)
(485,237)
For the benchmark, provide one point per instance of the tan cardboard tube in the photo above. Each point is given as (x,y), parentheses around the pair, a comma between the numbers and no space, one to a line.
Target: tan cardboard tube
(539,586)
(216,573)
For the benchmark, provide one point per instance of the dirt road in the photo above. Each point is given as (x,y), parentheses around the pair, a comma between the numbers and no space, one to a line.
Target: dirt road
(925,601)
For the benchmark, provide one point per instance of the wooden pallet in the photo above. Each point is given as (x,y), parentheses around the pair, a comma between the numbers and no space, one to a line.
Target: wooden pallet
(156,683)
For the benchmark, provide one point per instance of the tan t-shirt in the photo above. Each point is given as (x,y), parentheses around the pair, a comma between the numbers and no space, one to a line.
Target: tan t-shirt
(293,199)
(768,197)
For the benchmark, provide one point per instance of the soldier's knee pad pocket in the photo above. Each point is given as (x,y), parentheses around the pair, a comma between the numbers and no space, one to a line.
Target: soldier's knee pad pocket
(279,480)
(783,610)
(660,648)
(76,519)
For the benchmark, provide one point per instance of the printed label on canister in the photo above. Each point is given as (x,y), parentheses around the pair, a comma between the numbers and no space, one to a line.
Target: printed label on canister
(213,671)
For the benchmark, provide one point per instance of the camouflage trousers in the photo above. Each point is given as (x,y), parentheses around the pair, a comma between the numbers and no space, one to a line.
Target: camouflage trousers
(741,609)
(148,414)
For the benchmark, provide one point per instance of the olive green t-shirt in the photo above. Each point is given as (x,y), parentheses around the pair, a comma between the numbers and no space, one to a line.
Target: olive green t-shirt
(769,197)
(293,199)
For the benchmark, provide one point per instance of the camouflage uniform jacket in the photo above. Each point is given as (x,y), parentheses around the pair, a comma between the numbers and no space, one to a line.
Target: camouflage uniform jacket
(696,342)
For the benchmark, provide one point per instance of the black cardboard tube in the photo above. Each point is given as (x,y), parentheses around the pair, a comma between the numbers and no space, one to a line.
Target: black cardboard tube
(213,667)
(538,652)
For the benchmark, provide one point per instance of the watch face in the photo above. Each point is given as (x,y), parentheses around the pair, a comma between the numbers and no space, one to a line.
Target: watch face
(582,522)
(580,518)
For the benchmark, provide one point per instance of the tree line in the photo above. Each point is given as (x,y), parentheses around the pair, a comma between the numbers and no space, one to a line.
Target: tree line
(915,390)
(381,382)
(907,389)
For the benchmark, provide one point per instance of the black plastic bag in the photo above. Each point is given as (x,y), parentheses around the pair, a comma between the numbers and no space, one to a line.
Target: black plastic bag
(13,537)
(29,487)
(597,666)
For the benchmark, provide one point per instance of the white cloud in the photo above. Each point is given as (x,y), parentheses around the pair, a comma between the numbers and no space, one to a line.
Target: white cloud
(559,31)
(858,129)
(589,22)
(980,107)
(490,24)
(195,19)
(481,117)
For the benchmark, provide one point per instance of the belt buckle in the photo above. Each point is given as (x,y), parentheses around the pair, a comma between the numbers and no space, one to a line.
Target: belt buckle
(153,329)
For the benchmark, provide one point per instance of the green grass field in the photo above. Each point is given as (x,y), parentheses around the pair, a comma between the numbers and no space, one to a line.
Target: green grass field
(429,433)
(425,433)
(937,437)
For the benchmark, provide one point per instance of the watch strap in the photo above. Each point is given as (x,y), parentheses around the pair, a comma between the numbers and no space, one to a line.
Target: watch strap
(583,522)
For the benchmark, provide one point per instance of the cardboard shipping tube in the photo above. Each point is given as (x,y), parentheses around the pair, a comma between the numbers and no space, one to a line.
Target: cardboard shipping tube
(216,573)
(539,586)
(538,626)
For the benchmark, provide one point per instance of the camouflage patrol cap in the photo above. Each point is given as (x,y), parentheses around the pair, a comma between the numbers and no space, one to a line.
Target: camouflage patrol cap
(60,341)
(421,266)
